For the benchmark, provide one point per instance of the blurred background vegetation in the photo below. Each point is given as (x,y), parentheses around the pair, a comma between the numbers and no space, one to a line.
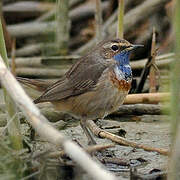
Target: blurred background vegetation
(44,37)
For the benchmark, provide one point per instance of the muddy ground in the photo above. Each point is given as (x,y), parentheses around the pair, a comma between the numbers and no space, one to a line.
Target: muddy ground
(151,130)
(154,133)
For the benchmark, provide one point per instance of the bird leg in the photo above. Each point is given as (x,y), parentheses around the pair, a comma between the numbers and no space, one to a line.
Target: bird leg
(91,140)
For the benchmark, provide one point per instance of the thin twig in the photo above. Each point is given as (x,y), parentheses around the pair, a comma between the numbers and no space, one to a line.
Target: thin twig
(89,150)
(104,134)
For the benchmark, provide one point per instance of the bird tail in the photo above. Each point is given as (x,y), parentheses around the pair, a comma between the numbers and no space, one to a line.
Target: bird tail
(39,85)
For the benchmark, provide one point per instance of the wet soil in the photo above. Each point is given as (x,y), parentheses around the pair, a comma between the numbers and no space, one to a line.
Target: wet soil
(151,130)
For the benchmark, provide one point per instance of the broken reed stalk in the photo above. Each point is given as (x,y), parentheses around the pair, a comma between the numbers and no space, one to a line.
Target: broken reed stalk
(45,130)
(104,134)
(152,73)
(98,18)
(120,29)
(14,130)
(13,57)
(175,102)
(40,72)
(89,150)
(133,17)
(147,98)
(144,75)
(63,26)
(161,61)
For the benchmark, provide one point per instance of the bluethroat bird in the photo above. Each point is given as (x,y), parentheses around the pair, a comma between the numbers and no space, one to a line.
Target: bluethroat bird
(94,86)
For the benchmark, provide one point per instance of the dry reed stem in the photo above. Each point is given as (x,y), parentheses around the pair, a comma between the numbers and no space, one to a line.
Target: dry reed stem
(120,29)
(89,150)
(152,73)
(44,129)
(104,134)
(147,98)
(98,18)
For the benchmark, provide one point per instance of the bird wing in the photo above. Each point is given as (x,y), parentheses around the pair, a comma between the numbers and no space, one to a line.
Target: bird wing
(81,77)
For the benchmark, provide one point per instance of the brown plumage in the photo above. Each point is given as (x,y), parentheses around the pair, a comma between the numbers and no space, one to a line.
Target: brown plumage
(95,85)
(84,74)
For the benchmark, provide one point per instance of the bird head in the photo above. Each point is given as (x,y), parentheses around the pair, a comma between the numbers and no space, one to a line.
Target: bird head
(119,50)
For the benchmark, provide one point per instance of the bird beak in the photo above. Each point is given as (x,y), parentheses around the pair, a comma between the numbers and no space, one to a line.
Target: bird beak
(135,46)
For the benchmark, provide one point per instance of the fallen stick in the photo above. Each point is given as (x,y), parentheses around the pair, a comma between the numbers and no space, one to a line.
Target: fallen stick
(147,98)
(31,9)
(60,61)
(89,150)
(30,49)
(39,61)
(44,129)
(104,134)
(40,72)
(124,113)
(61,120)
(26,9)
(139,109)
(34,28)
(24,30)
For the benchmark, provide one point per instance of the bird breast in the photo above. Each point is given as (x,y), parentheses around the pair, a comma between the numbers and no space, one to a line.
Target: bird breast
(118,80)
(108,94)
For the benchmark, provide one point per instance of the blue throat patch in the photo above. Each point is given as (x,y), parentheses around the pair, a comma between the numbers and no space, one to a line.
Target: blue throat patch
(122,60)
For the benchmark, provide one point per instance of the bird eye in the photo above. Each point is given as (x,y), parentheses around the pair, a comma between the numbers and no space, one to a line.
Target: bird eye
(114,47)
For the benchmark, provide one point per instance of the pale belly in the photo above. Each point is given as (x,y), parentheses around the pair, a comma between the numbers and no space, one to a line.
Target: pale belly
(103,100)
